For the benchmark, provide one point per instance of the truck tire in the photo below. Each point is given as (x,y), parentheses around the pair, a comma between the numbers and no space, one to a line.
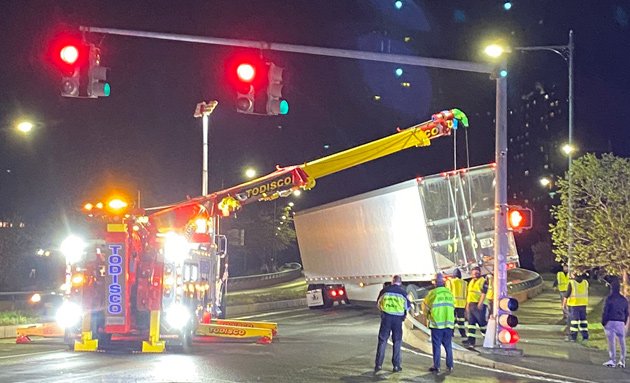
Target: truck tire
(412,292)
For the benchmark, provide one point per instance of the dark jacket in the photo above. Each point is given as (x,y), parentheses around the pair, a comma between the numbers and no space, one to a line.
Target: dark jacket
(616,306)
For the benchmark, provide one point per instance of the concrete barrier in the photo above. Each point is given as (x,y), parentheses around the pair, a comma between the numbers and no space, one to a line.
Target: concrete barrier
(263,280)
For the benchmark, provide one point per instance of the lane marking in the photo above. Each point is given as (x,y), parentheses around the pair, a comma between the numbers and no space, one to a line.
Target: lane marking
(34,353)
(546,377)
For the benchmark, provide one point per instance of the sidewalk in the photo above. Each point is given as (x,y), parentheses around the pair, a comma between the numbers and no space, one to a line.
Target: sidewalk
(545,352)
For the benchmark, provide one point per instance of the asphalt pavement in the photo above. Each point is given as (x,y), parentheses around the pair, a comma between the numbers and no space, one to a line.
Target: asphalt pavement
(335,345)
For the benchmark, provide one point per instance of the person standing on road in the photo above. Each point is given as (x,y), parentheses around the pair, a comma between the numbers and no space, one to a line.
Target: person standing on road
(393,304)
(476,305)
(458,288)
(576,299)
(562,283)
(439,309)
(615,320)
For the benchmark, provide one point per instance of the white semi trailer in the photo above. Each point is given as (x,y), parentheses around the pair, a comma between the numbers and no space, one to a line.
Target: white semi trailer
(416,228)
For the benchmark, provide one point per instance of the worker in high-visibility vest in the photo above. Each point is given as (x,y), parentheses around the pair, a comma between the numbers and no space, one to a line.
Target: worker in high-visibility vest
(576,299)
(439,309)
(490,294)
(458,288)
(562,283)
(476,306)
(393,304)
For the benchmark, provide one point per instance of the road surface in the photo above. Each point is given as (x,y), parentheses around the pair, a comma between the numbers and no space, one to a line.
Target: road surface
(312,346)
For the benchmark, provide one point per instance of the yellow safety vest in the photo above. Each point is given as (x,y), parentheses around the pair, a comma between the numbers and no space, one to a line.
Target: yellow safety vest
(475,290)
(579,293)
(490,293)
(563,281)
(458,288)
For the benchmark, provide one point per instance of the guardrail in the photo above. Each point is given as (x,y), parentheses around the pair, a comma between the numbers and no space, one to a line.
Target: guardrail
(264,280)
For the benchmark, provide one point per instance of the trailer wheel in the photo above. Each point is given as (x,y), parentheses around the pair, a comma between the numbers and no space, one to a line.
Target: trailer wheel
(412,292)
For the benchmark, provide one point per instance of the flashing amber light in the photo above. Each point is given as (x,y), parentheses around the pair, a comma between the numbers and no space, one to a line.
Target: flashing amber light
(99,205)
(168,281)
(88,206)
(77,279)
(117,204)
(36,298)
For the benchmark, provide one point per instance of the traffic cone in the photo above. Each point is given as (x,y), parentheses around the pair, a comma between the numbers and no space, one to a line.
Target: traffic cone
(264,340)
(22,339)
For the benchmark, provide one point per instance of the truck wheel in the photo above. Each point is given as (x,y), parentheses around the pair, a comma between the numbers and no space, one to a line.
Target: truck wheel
(412,292)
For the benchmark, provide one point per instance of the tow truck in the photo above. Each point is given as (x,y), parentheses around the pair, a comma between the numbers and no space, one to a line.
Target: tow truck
(142,265)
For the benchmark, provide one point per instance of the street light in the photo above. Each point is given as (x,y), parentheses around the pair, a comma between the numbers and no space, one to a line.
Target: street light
(566,52)
(203,110)
(544,181)
(25,126)
(250,173)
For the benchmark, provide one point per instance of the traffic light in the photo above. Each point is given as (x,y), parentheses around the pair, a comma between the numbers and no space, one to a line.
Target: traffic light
(245,92)
(275,103)
(80,65)
(507,321)
(97,85)
(519,218)
(72,58)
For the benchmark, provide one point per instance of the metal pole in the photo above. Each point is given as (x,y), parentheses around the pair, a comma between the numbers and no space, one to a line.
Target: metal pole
(570,155)
(501,245)
(465,66)
(204,172)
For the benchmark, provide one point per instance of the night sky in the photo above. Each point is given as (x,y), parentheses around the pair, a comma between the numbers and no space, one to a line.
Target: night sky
(144,137)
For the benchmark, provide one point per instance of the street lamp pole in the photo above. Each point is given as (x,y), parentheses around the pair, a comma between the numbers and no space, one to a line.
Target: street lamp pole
(203,110)
(566,52)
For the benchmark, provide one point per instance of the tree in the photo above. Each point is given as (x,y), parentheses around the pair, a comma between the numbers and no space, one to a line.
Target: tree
(267,233)
(600,216)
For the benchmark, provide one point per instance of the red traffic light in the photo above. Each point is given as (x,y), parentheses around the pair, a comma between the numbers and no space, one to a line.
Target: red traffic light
(69,54)
(246,72)
(519,218)
(508,336)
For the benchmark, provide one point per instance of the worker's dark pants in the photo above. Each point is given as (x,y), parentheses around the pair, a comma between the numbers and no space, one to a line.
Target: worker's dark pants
(460,321)
(389,324)
(578,322)
(476,317)
(442,337)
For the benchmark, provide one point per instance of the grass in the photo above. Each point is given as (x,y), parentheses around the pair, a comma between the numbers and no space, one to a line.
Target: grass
(8,318)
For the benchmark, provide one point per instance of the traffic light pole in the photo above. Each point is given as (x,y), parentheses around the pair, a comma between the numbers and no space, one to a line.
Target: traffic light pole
(501,244)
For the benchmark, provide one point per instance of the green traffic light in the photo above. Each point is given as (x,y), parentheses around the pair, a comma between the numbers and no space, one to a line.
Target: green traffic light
(106,89)
(284,107)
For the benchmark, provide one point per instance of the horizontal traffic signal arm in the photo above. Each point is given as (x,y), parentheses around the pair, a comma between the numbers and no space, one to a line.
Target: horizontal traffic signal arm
(284,180)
